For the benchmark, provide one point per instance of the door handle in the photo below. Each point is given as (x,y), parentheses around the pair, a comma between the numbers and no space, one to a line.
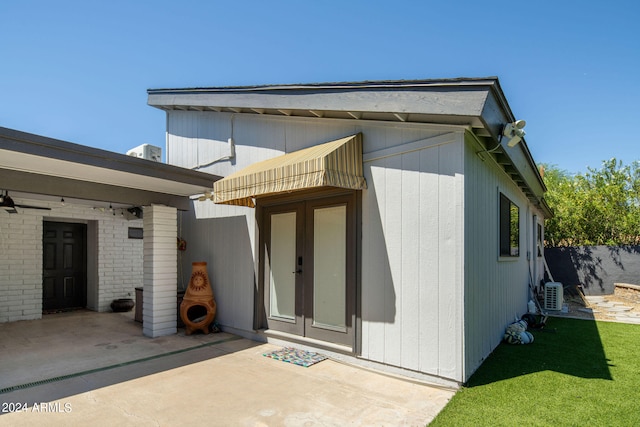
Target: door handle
(299,270)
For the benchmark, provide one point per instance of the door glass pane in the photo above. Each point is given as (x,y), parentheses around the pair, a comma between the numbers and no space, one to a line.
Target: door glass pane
(329,267)
(282,280)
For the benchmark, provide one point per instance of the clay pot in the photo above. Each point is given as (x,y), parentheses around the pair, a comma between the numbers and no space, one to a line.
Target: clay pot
(122,305)
(198,308)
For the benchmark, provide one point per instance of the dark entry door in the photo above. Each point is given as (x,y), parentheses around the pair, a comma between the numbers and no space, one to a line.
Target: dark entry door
(309,284)
(64,263)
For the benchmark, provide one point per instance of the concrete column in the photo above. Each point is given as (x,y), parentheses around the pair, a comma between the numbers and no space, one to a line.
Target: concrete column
(159,312)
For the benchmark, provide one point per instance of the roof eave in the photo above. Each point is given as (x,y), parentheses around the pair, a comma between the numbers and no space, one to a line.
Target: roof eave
(478,103)
(30,162)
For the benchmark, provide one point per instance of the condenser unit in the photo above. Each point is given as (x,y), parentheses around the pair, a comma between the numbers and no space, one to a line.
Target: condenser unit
(553,296)
(146,151)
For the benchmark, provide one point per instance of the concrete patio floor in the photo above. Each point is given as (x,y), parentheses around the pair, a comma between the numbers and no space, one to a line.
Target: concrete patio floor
(87,368)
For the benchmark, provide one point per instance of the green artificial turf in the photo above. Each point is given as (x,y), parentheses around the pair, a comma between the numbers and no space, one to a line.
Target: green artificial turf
(576,373)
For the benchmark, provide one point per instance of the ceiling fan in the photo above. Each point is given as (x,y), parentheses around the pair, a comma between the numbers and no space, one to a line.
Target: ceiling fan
(8,204)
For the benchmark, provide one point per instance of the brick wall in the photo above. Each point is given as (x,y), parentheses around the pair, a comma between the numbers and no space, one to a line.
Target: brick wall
(118,264)
(20,267)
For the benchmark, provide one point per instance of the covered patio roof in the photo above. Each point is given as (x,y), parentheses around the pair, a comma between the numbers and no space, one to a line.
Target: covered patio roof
(40,165)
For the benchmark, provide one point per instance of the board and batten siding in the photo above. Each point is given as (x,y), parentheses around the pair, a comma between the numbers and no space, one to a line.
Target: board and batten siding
(411,261)
(223,237)
(412,213)
(496,289)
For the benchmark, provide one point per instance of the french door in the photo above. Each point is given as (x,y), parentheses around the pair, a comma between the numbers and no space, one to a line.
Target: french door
(310,274)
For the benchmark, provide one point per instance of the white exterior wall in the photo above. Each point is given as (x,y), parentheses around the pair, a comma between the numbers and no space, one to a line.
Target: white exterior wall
(411,224)
(160,271)
(412,257)
(496,289)
(120,261)
(223,237)
(20,267)
(114,261)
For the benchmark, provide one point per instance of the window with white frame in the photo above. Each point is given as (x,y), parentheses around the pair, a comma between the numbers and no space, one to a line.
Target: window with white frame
(509,228)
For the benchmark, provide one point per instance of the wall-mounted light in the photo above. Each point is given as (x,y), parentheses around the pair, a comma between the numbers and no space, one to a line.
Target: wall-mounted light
(135,212)
(515,132)
(206,196)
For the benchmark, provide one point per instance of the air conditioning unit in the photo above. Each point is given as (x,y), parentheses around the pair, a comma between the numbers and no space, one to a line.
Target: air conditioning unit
(146,151)
(553,296)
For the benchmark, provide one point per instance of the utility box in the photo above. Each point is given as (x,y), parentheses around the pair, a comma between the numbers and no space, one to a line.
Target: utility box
(553,296)
(147,152)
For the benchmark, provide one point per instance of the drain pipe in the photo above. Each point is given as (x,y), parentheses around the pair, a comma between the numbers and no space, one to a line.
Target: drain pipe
(231,156)
(232,150)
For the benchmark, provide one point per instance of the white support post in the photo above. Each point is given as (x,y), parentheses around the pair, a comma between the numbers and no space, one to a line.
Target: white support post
(159,309)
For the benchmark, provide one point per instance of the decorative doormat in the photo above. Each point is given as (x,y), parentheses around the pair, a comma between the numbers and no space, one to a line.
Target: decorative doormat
(296,356)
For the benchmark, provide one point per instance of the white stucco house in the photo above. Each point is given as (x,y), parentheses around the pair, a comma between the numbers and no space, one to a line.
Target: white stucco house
(392,224)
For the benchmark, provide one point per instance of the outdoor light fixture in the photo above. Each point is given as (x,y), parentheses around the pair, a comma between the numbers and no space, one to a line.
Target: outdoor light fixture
(514,131)
(206,196)
(135,211)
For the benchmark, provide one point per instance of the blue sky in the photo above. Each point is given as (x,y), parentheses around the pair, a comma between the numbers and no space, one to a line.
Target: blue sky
(79,70)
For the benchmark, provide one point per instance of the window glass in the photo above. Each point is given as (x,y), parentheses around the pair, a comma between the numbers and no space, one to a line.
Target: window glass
(540,242)
(509,227)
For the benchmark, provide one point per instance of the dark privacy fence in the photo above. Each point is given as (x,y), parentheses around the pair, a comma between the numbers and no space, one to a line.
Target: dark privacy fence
(597,268)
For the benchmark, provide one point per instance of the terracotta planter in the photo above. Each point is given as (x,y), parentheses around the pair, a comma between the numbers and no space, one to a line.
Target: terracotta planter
(122,305)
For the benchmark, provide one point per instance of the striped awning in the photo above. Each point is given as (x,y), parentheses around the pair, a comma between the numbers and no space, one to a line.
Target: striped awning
(334,164)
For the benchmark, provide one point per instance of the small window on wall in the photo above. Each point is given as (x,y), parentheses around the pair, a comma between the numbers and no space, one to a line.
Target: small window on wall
(540,241)
(509,228)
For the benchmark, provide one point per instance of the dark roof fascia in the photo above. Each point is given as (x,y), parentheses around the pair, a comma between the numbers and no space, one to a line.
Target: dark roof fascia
(501,98)
(380,84)
(27,143)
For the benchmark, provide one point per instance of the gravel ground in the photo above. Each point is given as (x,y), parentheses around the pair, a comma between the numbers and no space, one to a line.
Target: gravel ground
(622,297)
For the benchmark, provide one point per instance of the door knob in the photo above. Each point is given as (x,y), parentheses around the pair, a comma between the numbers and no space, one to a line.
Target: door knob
(298,271)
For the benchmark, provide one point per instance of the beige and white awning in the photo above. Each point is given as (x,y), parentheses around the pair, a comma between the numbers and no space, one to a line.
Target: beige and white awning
(334,164)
